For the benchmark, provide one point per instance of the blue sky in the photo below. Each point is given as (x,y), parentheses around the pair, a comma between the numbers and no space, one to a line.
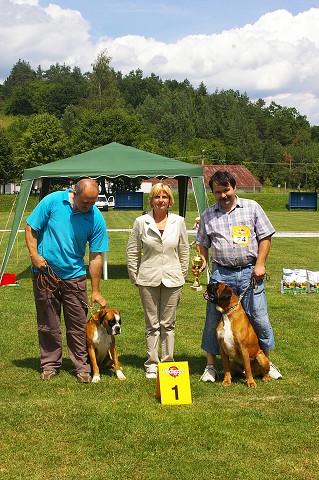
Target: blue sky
(171,20)
(266,48)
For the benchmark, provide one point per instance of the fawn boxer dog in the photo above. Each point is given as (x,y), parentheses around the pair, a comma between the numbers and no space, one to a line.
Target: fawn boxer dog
(236,337)
(101,329)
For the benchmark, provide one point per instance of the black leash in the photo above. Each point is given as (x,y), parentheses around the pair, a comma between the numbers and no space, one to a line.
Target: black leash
(252,284)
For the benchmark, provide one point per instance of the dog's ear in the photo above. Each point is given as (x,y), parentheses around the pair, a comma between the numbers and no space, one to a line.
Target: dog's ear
(226,294)
(212,287)
(215,287)
(102,313)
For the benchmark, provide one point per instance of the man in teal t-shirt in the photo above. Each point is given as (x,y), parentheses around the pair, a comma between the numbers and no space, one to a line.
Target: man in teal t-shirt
(57,232)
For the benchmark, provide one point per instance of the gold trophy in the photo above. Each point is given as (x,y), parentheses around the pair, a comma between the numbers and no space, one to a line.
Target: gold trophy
(197,262)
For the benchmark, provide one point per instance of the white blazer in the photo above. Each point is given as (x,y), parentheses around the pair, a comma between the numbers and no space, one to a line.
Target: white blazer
(153,258)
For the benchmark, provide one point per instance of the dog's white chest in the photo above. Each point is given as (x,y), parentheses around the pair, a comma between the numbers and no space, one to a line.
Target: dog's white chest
(101,342)
(227,335)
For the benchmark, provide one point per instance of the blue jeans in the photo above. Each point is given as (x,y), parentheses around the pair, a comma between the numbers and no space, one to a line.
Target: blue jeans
(254,303)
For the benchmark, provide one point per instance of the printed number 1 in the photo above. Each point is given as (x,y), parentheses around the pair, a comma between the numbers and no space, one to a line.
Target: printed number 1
(176,391)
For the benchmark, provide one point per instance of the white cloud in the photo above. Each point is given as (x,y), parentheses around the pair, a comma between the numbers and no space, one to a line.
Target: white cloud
(43,36)
(276,58)
(26,2)
(306,103)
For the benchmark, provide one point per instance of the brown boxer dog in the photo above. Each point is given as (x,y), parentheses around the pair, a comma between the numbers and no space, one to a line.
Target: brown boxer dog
(237,339)
(101,329)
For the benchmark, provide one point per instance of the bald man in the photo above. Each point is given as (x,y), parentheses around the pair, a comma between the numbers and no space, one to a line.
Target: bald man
(57,232)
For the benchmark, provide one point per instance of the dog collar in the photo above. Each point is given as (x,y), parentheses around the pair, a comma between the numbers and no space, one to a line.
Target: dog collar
(231,309)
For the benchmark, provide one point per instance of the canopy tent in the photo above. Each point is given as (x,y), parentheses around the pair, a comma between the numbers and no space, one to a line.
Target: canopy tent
(110,161)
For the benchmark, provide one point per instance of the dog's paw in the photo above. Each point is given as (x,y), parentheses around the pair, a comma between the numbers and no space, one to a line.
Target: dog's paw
(96,379)
(227,379)
(251,384)
(226,383)
(120,375)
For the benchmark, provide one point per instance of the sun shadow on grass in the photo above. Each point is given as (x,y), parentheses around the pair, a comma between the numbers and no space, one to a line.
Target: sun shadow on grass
(26,273)
(196,363)
(117,271)
(132,361)
(33,363)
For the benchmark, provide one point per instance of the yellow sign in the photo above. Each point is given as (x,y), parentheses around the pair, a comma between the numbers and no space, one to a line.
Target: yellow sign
(241,235)
(173,384)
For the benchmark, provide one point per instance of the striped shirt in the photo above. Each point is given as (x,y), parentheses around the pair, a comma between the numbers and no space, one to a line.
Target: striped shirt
(234,236)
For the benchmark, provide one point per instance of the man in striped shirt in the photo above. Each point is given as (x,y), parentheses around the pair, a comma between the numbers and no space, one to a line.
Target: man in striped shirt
(238,232)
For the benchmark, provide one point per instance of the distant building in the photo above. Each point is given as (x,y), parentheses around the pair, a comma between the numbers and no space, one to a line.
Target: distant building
(246,182)
(10,188)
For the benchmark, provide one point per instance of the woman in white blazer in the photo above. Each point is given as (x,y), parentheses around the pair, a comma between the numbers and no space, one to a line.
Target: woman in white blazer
(157,261)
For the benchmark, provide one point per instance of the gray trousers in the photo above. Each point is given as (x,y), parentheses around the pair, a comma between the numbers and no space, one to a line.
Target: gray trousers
(159,304)
(70,294)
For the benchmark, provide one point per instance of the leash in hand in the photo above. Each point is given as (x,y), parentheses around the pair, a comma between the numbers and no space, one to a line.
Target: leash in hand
(50,283)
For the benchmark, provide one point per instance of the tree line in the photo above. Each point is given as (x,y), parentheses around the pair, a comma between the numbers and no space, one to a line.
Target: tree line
(59,112)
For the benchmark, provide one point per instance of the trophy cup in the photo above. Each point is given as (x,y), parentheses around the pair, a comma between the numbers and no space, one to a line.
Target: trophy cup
(197,262)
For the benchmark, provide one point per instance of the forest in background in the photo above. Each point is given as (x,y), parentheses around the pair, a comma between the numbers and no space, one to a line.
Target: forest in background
(47,115)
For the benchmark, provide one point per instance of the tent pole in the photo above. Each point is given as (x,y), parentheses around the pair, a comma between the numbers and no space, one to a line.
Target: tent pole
(182,195)
(21,205)
(45,187)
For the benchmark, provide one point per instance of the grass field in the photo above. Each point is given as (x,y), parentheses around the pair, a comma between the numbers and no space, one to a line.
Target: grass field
(68,431)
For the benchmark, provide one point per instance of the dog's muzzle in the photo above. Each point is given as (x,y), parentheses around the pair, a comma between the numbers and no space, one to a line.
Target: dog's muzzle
(210,296)
(116,330)
(206,296)
(114,327)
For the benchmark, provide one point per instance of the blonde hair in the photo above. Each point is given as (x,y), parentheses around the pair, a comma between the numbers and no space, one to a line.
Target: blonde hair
(161,187)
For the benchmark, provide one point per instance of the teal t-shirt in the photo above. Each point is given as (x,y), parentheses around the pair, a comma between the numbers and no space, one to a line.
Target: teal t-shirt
(63,233)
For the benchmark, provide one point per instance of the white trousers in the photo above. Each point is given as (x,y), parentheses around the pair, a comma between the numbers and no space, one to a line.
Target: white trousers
(160,305)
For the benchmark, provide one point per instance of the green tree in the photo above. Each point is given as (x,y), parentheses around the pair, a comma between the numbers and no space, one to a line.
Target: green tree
(43,142)
(124,184)
(21,74)
(135,88)
(120,126)
(92,129)
(69,119)
(152,85)
(21,101)
(62,87)
(314,175)
(132,88)
(103,92)
(286,123)
(215,153)
(8,169)
(16,129)
(315,133)
(169,116)
(50,91)
(52,97)
(87,131)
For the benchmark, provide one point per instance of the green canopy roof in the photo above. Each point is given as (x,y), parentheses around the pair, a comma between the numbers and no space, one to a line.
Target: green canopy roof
(114,160)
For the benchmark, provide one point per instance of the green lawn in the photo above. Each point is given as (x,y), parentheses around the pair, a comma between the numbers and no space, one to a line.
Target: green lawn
(68,431)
